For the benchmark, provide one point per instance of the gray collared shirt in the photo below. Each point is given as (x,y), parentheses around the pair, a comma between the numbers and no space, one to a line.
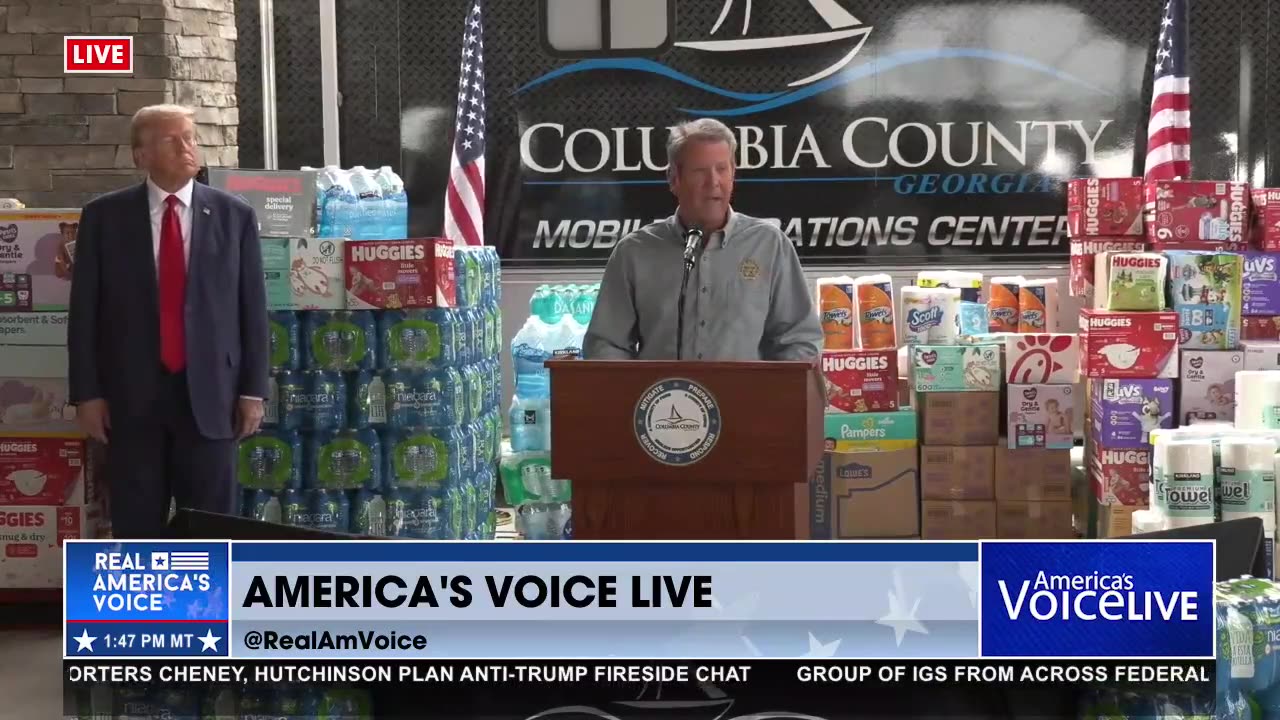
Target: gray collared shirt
(747,297)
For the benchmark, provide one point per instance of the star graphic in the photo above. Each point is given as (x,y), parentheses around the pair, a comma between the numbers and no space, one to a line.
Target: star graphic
(971,576)
(84,641)
(821,650)
(209,641)
(900,618)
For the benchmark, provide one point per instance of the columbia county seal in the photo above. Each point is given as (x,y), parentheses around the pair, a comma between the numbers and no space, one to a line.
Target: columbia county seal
(677,422)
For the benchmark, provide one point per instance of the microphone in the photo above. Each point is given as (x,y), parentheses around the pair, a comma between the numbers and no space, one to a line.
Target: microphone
(692,241)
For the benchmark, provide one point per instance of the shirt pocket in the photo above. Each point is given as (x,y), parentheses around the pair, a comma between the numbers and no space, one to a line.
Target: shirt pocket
(751,298)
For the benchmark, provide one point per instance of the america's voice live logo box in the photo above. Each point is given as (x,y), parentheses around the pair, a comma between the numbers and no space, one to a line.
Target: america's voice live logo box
(97,54)
(1107,599)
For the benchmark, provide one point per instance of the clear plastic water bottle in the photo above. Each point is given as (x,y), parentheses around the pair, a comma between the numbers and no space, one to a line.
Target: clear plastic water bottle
(339,214)
(396,202)
(582,305)
(537,301)
(529,350)
(530,416)
(368,197)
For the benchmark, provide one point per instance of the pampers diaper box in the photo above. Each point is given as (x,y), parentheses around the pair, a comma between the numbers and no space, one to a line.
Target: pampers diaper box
(37,248)
(867,486)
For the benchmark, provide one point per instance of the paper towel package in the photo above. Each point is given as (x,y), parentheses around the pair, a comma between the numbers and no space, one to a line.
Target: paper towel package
(930,315)
(1207,390)
(1003,297)
(1260,328)
(968,283)
(837,312)
(1261,287)
(24,328)
(1052,358)
(1260,355)
(1038,306)
(1197,215)
(42,471)
(1124,412)
(1184,490)
(874,324)
(1120,475)
(31,546)
(957,473)
(1266,219)
(1101,207)
(1128,344)
(1130,281)
(1246,478)
(1084,253)
(37,250)
(1258,400)
(1041,416)
(861,380)
(1206,289)
(956,368)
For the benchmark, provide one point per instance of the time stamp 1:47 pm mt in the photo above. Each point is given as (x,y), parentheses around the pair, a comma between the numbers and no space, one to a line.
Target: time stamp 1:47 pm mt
(103,641)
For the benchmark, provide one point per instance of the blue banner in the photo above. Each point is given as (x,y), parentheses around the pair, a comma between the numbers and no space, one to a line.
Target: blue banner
(1125,599)
(138,599)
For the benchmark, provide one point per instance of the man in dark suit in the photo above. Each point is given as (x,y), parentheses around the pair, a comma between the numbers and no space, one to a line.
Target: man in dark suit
(167,331)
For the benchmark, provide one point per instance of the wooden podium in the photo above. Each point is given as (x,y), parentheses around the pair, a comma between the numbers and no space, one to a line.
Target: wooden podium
(687,450)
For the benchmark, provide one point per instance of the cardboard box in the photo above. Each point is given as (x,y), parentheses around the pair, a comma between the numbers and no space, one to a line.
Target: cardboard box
(29,328)
(275,268)
(870,432)
(1022,520)
(1206,289)
(1261,282)
(1041,416)
(1038,358)
(1084,253)
(1115,521)
(1120,476)
(861,380)
(34,361)
(1031,474)
(1207,390)
(957,473)
(865,495)
(1266,219)
(1260,328)
(37,249)
(396,274)
(957,519)
(1197,215)
(1124,412)
(1128,344)
(283,200)
(1102,207)
(1260,355)
(956,368)
(42,471)
(316,273)
(31,539)
(961,418)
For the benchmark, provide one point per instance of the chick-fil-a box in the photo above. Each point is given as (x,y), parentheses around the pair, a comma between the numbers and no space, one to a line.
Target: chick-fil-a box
(861,380)
(1102,207)
(1128,344)
(1198,215)
(1041,358)
(394,274)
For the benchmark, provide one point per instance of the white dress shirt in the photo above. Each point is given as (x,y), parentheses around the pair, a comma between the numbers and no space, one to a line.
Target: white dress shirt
(156,197)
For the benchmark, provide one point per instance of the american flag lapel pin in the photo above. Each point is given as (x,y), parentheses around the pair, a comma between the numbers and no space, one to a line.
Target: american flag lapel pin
(204,210)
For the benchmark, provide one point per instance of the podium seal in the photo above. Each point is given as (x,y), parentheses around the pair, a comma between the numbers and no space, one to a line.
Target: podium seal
(677,422)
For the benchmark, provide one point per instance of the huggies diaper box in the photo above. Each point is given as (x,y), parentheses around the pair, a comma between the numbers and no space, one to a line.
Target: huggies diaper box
(1128,344)
(34,395)
(1197,215)
(1084,254)
(1104,207)
(1120,475)
(31,540)
(860,381)
(395,274)
(42,471)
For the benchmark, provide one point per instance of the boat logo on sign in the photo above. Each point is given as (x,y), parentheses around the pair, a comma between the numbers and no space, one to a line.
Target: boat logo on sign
(677,422)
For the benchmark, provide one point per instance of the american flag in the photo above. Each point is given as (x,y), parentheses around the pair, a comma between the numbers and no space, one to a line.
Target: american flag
(464,198)
(1169,129)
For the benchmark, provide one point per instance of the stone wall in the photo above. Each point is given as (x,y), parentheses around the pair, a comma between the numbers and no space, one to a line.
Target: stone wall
(65,138)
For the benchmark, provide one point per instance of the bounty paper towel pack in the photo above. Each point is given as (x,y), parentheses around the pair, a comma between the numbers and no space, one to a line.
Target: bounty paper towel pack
(931,316)
(1038,306)
(1207,389)
(1206,290)
(1130,281)
(837,309)
(1258,400)
(1002,303)
(875,317)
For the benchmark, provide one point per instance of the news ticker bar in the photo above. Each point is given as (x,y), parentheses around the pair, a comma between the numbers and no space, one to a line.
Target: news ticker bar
(673,600)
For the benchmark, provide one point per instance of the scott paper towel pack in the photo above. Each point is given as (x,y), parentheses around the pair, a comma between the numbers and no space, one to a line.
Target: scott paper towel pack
(932,316)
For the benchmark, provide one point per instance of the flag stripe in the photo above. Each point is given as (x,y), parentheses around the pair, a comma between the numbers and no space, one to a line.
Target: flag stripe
(465,193)
(1169,124)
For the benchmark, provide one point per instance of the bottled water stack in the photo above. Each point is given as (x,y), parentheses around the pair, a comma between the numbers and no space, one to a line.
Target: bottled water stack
(558,318)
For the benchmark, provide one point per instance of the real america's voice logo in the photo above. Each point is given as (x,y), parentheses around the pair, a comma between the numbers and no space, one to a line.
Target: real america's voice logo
(1111,599)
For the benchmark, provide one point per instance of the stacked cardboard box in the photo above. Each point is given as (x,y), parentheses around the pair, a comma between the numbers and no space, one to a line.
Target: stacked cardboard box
(867,485)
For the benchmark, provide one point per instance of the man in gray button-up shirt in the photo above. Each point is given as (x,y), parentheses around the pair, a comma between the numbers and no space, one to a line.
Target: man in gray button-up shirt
(747,297)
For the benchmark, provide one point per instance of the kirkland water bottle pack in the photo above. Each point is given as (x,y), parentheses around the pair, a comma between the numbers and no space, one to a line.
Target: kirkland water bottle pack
(382,422)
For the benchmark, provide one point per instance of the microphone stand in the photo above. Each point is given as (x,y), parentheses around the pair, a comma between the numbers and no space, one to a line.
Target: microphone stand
(692,239)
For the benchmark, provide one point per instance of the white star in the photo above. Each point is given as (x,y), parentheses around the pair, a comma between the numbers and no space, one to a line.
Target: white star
(466,144)
(900,618)
(476,85)
(84,641)
(209,641)
(473,101)
(1167,21)
(972,577)
(475,23)
(469,130)
(471,115)
(480,135)
(468,52)
(821,650)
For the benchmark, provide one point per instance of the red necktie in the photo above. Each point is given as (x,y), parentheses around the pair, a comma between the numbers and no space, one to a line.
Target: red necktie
(172,270)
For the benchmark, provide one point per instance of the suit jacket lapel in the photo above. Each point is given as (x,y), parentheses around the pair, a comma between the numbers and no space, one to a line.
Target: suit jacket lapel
(140,228)
(200,219)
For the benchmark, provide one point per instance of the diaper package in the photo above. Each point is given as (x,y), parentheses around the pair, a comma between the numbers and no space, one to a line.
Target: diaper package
(1124,412)
(956,368)
(1207,292)
(1130,281)
(1041,416)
